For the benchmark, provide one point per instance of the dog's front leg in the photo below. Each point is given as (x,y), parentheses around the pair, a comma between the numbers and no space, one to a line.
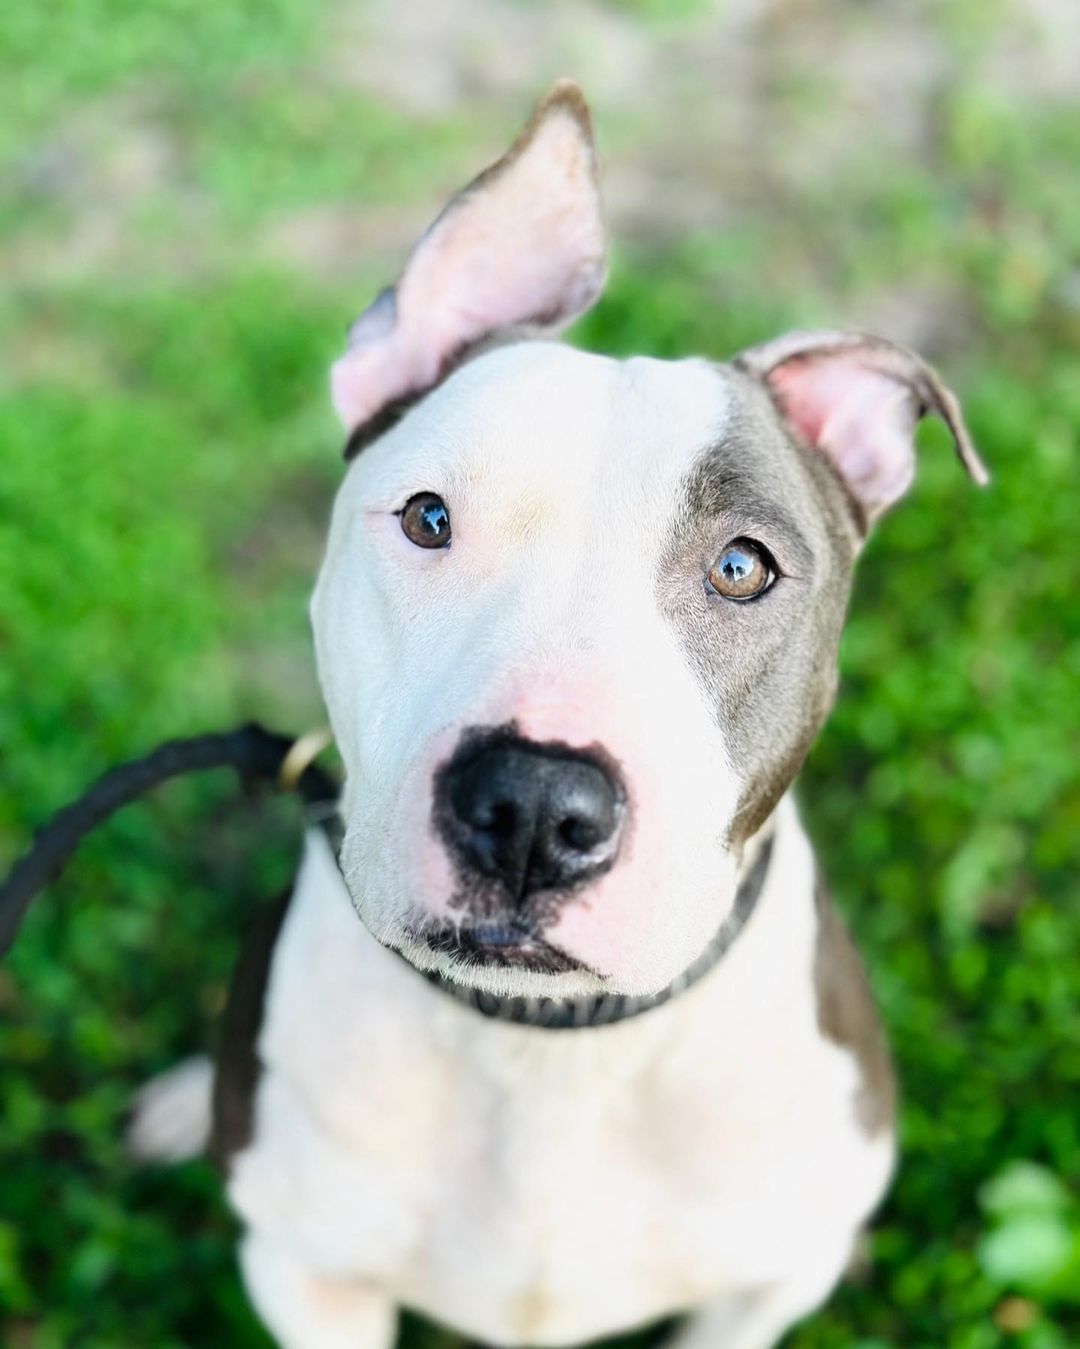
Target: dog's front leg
(757,1319)
(307,1311)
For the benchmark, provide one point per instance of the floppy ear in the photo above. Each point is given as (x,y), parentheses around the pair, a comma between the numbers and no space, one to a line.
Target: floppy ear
(857,399)
(521,247)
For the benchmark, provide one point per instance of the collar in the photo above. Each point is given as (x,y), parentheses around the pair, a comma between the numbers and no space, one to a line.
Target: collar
(605,1009)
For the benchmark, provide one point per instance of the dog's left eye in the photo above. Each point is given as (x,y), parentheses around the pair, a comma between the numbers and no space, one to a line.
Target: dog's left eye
(743,571)
(425,521)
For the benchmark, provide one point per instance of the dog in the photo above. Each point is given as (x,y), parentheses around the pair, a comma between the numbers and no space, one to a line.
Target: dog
(563,1035)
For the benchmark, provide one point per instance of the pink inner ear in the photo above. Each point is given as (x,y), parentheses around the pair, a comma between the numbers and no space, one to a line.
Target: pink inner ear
(861,418)
(522,246)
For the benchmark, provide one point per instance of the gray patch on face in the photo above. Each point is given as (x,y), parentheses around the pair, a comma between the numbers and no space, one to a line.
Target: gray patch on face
(767,665)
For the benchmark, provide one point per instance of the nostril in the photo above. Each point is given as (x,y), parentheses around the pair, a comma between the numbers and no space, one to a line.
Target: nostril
(482,806)
(500,819)
(582,834)
(584,808)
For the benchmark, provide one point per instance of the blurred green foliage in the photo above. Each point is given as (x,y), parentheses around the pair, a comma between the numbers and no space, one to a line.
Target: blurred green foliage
(166,464)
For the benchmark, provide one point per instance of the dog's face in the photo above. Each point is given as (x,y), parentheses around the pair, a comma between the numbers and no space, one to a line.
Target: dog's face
(578,618)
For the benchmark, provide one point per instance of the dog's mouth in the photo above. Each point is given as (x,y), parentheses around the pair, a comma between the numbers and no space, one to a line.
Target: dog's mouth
(501,945)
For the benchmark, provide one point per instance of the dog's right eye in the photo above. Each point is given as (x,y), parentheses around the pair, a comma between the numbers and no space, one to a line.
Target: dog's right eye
(743,571)
(425,521)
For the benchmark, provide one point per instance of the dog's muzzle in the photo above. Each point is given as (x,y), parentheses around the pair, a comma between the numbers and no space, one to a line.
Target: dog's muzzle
(520,817)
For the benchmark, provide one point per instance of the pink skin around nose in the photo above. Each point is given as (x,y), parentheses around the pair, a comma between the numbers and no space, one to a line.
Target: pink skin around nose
(543,712)
(618,925)
(609,921)
(429,864)
(576,711)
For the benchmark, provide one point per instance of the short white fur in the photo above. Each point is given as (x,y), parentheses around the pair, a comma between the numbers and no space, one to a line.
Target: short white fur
(530,1186)
(537,1187)
(562,473)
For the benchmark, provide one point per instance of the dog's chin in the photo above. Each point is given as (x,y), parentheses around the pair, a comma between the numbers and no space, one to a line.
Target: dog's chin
(497,959)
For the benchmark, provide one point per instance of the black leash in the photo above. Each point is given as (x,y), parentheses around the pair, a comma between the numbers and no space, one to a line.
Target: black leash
(255,753)
(258,754)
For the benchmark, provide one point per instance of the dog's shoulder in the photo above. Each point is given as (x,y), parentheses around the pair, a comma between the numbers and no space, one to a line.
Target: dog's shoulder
(848,1016)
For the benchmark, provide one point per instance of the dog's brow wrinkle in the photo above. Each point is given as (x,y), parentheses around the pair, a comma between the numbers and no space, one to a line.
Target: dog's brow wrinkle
(714,489)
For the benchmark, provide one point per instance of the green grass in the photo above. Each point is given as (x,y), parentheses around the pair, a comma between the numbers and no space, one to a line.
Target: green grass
(167,460)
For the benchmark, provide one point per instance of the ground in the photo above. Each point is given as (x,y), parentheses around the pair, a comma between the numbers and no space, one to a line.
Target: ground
(195,198)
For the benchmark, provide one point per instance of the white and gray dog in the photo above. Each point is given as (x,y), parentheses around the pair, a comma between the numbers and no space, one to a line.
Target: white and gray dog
(597,1049)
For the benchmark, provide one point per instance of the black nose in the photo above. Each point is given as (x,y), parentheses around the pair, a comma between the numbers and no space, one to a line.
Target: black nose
(533,816)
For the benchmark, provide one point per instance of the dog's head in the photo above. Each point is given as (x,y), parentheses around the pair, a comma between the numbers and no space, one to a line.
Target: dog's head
(578,619)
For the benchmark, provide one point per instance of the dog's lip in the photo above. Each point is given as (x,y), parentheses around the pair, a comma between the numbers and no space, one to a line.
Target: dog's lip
(510,945)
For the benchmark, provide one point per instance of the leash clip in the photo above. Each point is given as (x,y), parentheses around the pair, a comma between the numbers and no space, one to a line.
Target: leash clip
(301,754)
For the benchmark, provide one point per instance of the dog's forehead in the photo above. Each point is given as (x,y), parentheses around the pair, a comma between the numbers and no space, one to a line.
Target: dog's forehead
(557,403)
(544,420)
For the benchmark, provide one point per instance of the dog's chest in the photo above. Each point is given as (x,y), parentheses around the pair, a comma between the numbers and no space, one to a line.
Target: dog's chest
(536,1185)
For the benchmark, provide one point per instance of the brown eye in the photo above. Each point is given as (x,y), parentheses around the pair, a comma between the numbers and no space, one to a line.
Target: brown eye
(743,571)
(425,521)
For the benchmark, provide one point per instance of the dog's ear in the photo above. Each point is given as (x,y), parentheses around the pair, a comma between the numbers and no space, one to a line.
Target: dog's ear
(522,247)
(857,399)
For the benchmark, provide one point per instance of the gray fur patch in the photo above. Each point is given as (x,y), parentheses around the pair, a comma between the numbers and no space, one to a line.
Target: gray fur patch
(767,665)
(847,1016)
